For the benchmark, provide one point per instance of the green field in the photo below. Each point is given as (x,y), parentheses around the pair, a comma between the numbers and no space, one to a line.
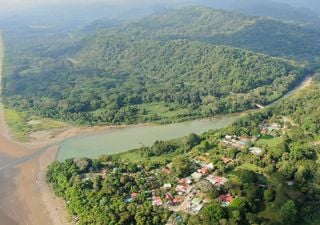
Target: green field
(163,111)
(269,141)
(21,124)
(249,166)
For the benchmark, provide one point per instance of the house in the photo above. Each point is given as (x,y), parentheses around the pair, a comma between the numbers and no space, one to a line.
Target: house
(236,142)
(244,141)
(210,166)
(104,173)
(128,200)
(157,201)
(134,195)
(167,186)
(226,160)
(228,137)
(175,219)
(182,189)
(177,201)
(269,128)
(225,200)
(203,171)
(166,170)
(255,150)
(169,196)
(216,180)
(264,131)
(185,181)
(196,176)
(196,205)
(274,126)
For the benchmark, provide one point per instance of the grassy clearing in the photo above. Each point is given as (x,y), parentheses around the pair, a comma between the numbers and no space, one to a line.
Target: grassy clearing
(269,141)
(131,157)
(166,112)
(17,122)
(249,166)
(135,156)
(21,124)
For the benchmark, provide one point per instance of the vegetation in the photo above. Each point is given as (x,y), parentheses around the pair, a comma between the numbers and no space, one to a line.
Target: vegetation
(268,36)
(170,61)
(21,124)
(280,186)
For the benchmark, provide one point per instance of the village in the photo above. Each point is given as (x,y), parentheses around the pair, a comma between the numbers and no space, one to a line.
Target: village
(186,195)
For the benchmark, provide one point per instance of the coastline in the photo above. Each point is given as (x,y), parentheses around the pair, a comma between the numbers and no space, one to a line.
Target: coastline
(49,210)
(25,197)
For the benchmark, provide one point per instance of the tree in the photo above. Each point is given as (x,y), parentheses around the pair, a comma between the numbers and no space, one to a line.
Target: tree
(288,212)
(268,195)
(212,213)
(182,166)
(238,204)
(192,140)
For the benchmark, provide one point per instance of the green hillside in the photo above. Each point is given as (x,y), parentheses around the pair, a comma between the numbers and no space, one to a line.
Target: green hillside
(269,36)
(114,80)
(172,63)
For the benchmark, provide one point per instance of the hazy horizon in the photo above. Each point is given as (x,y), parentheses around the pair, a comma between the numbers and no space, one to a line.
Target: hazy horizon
(13,5)
(22,4)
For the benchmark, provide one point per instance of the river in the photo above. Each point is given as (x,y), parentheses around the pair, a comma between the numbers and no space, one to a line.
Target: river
(122,139)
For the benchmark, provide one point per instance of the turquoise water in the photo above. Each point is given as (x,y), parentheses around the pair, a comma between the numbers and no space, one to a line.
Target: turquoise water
(122,139)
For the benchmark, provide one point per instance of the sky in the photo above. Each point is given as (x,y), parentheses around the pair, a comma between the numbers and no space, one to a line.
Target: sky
(16,4)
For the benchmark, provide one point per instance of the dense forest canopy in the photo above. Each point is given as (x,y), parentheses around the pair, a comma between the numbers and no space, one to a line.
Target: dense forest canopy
(173,61)
(269,36)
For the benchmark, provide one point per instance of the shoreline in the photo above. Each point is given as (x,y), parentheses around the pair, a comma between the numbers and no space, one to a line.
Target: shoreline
(61,134)
(24,192)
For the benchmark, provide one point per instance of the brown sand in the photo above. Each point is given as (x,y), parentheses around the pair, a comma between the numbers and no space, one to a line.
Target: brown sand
(25,197)
(36,196)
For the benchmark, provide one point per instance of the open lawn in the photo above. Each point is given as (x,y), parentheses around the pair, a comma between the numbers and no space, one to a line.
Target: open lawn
(131,156)
(249,166)
(269,141)
(165,112)
(134,157)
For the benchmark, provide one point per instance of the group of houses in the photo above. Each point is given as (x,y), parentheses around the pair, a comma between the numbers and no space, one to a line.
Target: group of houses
(269,129)
(235,141)
(240,143)
(188,197)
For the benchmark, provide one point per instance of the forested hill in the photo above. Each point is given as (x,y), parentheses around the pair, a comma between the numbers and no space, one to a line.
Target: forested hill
(115,81)
(166,67)
(272,37)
